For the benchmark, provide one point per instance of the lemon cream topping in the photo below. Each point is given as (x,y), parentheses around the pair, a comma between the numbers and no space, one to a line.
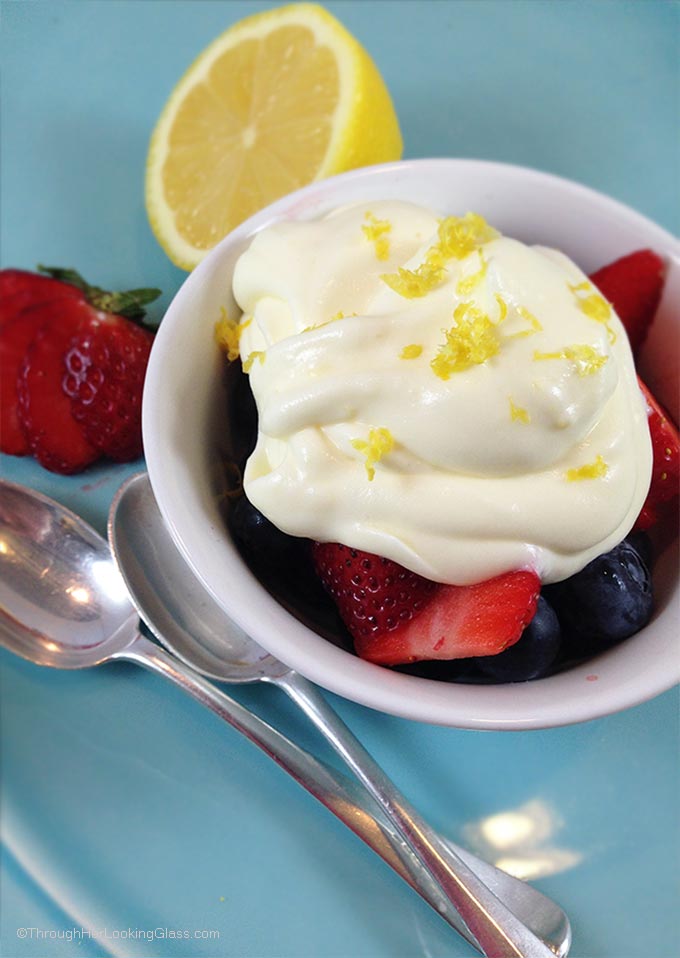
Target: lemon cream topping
(514,436)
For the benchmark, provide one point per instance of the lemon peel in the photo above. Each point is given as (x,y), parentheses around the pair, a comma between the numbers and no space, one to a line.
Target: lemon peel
(586,359)
(414,283)
(592,470)
(228,334)
(466,285)
(380,442)
(412,351)
(376,231)
(593,305)
(256,354)
(472,341)
(458,236)
(518,413)
(461,235)
(534,324)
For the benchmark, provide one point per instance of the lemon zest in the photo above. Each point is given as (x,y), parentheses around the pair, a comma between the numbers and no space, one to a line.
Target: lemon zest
(228,334)
(534,324)
(334,319)
(461,235)
(466,285)
(414,283)
(586,359)
(470,342)
(518,413)
(412,351)
(379,443)
(458,236)
(593,470)
(503,307)
(256,354)
(594,306)
(376,231)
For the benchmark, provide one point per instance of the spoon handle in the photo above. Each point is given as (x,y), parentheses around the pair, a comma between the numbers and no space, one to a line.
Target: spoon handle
(497,931)
(351,806)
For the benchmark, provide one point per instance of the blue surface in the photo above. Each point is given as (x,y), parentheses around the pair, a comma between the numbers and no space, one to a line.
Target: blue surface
(126,808)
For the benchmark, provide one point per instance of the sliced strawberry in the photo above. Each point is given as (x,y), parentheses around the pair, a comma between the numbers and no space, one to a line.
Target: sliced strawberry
(17,336)
(68,416)
(396,616)
(662,498)
(633,285)
(20,290)
(106,365)
(53,436)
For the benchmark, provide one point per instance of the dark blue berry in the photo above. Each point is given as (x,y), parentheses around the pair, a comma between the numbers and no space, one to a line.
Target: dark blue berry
(607,601)
(533,655)
(642,544)
(259,537)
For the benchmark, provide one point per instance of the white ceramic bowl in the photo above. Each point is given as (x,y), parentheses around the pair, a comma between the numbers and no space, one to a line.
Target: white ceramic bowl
(185,416)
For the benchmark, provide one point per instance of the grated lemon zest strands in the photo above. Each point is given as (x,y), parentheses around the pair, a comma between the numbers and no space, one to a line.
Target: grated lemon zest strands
(534,324)
(466,285)
(248,363)
(412,351)
(414,283)
(593,470)
(594,306)
(228,334)
(472,341)
(376,231)
(586,359)
(461,235)
(518,413)
(379,443)
(458,237)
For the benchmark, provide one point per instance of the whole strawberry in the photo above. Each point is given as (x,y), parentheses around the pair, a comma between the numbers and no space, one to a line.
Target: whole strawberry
(72,368)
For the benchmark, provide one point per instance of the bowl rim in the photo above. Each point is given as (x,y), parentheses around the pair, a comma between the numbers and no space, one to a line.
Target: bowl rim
(529,705)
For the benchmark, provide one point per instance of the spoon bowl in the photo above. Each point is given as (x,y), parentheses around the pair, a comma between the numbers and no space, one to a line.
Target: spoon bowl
(172,601)
(63,602)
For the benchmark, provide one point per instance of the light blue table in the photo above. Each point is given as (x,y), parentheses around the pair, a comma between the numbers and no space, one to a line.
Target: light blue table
(130,814)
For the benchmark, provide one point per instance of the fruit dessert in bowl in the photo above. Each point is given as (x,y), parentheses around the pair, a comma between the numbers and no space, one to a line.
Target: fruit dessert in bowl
(453,475)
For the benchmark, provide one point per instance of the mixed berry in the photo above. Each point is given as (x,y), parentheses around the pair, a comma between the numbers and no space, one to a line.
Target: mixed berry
(508,628)
(72,363)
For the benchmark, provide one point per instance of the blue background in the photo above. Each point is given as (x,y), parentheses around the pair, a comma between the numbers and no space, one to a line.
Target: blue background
(126,806)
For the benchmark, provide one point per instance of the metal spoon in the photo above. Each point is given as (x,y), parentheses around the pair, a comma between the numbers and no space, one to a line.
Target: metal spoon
(188,621)
(63,604)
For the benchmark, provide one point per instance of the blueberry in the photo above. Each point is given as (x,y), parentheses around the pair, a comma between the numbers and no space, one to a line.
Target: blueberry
(607,601)
(260,539)
(533,655)
(642,544)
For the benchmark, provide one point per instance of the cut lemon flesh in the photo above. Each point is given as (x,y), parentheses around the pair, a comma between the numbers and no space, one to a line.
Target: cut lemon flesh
(281,99)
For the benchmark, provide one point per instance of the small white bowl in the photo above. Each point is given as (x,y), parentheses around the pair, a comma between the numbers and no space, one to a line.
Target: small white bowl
(185,420)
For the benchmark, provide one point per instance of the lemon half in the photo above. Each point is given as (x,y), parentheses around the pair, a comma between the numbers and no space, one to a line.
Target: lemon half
(279,100)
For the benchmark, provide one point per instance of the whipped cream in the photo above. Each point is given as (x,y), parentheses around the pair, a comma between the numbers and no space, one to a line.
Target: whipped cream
(438,394)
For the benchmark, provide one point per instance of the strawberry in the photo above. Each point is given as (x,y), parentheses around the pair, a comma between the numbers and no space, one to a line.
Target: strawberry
(105,368)
(20,290)
(396,616)
(633,285)
(17,335)
(72,368)
(54,437)
(662,498)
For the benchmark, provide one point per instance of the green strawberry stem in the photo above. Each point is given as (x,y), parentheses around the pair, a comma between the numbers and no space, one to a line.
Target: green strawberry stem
(129,303)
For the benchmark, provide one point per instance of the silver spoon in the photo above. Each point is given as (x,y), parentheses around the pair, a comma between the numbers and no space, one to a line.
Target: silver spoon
(63,604)
(187,620)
